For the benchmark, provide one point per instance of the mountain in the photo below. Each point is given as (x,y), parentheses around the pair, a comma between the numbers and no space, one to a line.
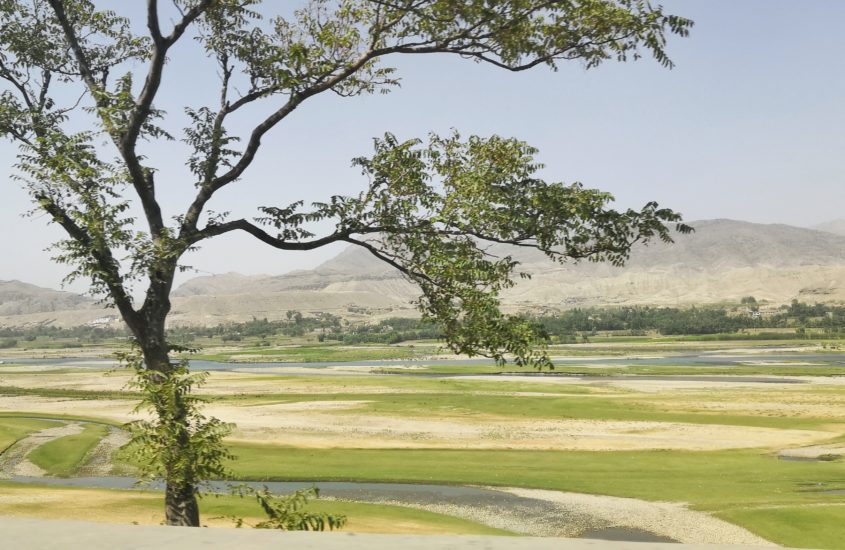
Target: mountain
(23,303)
(18,298)
(723,260)
(835,226)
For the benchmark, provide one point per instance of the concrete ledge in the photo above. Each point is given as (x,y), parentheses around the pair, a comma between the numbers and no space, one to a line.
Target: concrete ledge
(33,534)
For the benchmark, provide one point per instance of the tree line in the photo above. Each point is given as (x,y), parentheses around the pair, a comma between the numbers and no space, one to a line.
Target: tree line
(564,327)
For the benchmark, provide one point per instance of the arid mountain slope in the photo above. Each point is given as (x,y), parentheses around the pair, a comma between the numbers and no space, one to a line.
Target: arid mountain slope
(833,226)
(722,261)
(18,298)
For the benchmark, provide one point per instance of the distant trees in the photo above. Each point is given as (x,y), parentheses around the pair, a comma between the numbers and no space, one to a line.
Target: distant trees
(564,326)
(7,343)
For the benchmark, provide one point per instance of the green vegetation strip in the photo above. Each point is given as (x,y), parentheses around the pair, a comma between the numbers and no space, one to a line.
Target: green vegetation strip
(795,526)
(64,393)
(307,354)
(739,486)
(63,456)
(120,506)
(784,369)
(13,428)
(709,480)
(52,418)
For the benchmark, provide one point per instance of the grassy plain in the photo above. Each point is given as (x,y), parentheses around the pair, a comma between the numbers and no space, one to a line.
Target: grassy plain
(712,444)
(63,456)
(305,353)
(145,507)
(15,428)
(709,480)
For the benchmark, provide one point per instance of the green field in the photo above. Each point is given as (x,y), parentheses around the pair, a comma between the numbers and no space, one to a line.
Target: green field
(779,500)
(785,369)
(63,456)
(307,354)
(710,480)
(783,501)
(123,506)
(15,428)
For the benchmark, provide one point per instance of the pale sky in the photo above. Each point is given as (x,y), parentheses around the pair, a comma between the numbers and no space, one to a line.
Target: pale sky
(750,125)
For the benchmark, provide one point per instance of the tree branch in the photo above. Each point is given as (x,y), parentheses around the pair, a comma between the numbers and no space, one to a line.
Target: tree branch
(263,236)
(207,191)
(393,263)
(79,54)
(7,75)
(103,256)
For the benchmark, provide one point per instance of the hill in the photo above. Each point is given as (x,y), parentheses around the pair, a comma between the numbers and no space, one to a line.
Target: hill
(835,226)
(723,260)
(18,298)
(22,303)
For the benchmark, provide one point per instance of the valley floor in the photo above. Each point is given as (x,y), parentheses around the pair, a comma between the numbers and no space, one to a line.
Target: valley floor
(661,451)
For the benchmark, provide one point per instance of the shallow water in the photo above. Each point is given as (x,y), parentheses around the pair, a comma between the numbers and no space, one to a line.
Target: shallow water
(624,534)
(489,500)
(704,359)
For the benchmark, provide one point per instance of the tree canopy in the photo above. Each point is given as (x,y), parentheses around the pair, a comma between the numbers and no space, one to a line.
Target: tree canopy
(75,75)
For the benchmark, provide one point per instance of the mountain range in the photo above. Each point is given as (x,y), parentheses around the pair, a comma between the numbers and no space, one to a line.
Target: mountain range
(722,261)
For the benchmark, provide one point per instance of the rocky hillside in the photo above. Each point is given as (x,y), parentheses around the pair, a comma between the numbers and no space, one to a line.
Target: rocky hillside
(722,261)
(835,226)
(18,298)
(22,304)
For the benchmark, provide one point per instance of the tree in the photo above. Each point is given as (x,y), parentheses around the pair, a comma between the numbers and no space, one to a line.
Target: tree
(429,210)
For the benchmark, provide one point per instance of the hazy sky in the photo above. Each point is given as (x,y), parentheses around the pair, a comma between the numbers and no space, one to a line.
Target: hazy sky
(750,125)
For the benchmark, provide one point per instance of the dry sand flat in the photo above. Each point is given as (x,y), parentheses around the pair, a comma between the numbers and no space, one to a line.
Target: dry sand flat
(347,423)
(564,514)
(119,410)
(99,461)
(333,424)
(37,376)
(337,424)
(813,452)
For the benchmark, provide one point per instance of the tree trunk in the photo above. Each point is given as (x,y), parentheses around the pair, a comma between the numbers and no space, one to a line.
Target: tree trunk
(180,505)
(180,500)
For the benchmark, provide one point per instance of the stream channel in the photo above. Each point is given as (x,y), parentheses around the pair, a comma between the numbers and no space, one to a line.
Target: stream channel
(772,358)
(487,502)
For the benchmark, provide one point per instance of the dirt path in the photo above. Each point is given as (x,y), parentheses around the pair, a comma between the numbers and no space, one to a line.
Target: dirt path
(14,461)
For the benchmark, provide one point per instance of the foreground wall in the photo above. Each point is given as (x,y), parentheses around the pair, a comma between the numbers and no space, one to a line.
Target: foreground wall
(76,535)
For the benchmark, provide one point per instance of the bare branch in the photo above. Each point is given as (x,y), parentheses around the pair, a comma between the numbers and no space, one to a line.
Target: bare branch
(207,191)
(260,234)
(85,70)
(152,22)
(187,18)
(381,255)
(7,75)
(46,77)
